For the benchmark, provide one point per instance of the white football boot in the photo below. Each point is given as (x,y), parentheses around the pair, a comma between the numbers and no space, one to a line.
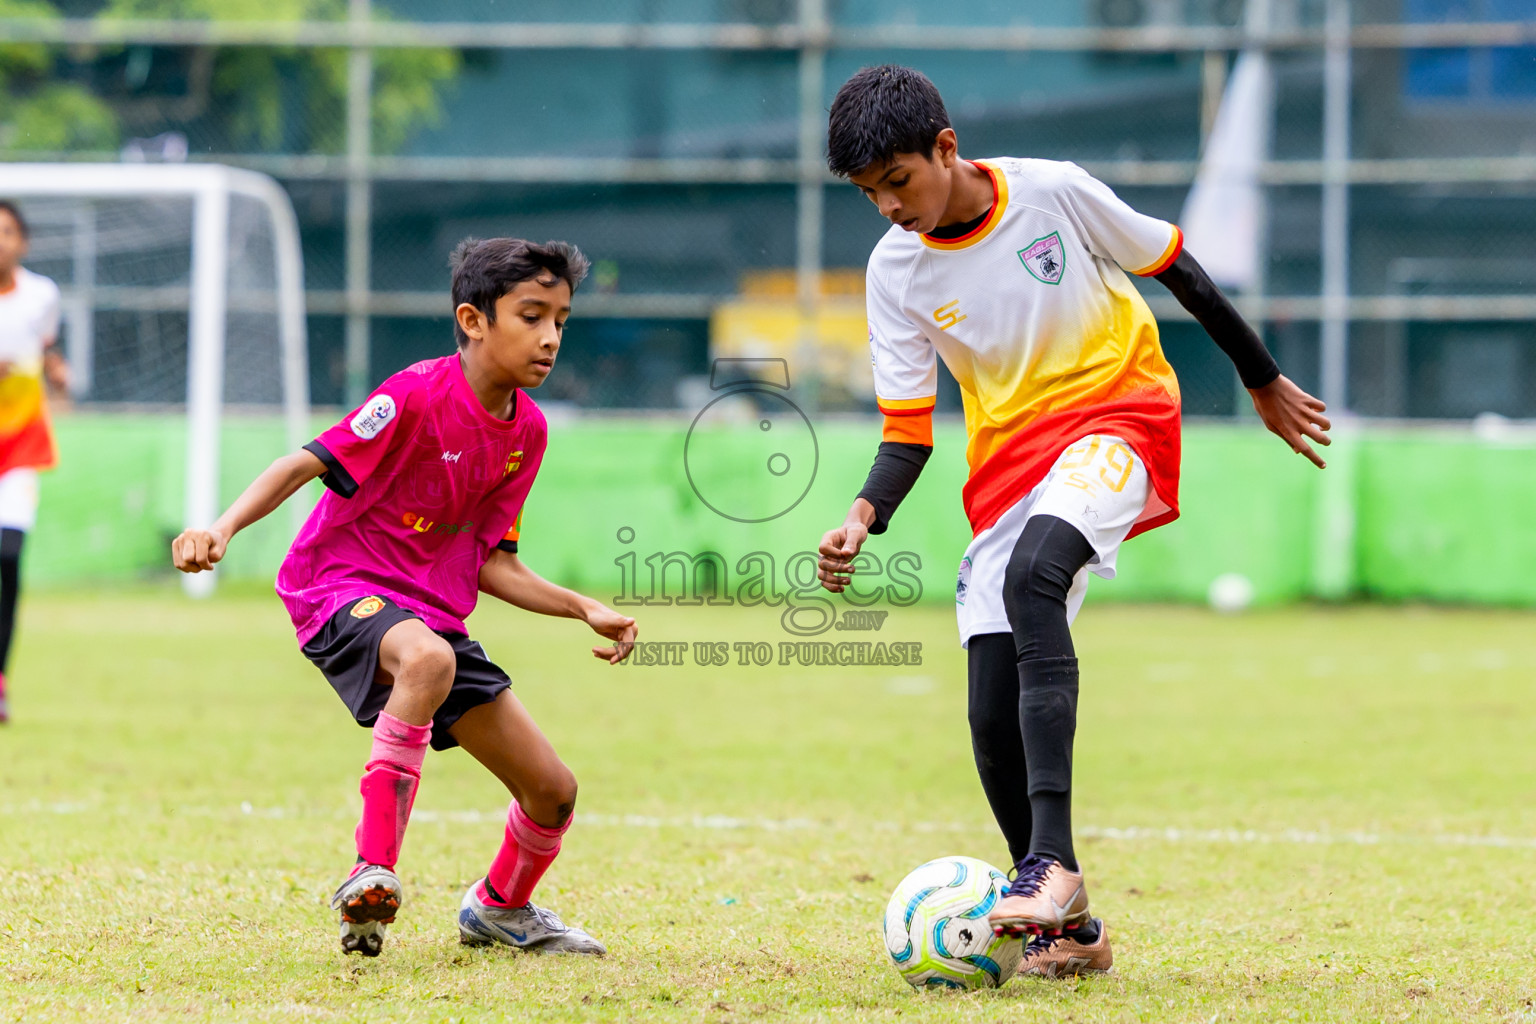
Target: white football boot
(368,900)
(526,927)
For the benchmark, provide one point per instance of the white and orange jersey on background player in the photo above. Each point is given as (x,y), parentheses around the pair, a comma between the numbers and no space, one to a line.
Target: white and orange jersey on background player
(29,322)
(1033,314)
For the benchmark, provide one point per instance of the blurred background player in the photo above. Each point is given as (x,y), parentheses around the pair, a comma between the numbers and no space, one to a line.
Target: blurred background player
(1014,272)
(426,487)
(29,326)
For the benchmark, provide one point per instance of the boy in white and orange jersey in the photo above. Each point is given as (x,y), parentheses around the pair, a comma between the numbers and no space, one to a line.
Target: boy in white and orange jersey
(1013,271)
(29,326)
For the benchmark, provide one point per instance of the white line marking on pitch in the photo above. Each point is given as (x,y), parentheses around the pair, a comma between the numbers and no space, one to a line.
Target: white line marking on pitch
(722,822)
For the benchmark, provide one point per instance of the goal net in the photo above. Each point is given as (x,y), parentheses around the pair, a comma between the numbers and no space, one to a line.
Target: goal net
(183,321)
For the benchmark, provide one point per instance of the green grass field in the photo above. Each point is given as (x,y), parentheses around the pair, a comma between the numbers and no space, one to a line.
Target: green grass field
(1317,814)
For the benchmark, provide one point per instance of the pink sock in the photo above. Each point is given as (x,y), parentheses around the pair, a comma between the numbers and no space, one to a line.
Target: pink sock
(389,788)
(527,850)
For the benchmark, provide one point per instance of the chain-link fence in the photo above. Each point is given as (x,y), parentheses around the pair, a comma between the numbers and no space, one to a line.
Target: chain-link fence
(679,142)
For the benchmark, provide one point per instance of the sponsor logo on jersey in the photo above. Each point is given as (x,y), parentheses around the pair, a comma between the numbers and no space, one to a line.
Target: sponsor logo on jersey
(366,607)
(1045,259)
(451,456)
(947,315)
(371,418)
(421,524)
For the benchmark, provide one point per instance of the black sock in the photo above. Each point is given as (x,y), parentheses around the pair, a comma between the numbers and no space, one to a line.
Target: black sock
(1048,555)
(1087,933)
(1052,836)
(993,710)
(1048,714)
(10,588)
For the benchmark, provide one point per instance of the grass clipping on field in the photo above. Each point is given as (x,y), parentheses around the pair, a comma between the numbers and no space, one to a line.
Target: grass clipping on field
(1297,815)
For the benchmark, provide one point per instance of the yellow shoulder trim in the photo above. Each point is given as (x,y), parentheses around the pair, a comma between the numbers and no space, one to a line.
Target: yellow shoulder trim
(1175,246)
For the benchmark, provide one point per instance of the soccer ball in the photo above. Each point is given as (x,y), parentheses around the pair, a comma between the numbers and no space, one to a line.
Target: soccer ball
(1230,593)
(936,927)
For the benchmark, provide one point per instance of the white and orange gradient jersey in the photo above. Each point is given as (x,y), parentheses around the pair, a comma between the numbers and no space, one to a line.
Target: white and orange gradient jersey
(29,322)
(1033,314)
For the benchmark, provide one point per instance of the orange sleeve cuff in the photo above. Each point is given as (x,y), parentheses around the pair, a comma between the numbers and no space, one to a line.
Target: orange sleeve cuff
(909,428)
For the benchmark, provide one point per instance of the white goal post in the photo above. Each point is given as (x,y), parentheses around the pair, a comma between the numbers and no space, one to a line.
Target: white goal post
(209,187)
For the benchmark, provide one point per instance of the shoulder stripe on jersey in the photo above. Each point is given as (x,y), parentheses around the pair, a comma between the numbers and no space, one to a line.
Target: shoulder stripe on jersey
(335,476)
(906,406)
(999,204)
(1175,246)
(909,429)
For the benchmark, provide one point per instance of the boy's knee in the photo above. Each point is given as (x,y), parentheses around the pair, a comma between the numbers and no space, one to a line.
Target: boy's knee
(428,665)
(1031,583)
(554,798)
(1038,576)
(563,793)
(11,541)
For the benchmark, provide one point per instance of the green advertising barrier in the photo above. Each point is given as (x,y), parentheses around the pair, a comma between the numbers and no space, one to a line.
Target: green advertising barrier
(629,507)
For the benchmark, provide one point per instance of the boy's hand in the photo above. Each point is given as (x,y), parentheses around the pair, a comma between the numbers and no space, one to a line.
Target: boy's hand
(1293,415)
(56,370)
(197,550)
(838,549)
(611,624)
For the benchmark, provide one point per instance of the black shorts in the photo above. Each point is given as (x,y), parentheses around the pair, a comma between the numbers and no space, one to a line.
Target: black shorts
(346,650)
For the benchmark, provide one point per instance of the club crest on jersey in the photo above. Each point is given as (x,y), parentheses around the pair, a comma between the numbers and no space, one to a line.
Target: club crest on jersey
(1045,259)
(513,462)
(370,419)
(367,606)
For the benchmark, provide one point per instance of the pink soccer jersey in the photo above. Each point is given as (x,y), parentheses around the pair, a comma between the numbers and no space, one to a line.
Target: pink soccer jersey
(423,483)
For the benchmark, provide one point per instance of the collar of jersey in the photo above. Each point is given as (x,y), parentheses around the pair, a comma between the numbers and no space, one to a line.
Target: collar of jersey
(15,287)
(461,383)
(999,204)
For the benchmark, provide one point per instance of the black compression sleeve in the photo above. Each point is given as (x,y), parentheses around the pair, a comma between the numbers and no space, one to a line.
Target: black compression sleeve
(897,465)
(1196,292)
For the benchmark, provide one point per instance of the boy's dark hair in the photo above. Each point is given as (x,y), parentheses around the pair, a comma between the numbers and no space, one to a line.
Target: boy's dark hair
(486,269)
(880,112)
(6,206)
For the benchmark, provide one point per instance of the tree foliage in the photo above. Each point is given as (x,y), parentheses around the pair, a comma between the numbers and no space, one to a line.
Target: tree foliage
(37,114)
(236,98)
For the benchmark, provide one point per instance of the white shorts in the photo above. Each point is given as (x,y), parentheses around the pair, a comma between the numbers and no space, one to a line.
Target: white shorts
(1098,485)
(18,499)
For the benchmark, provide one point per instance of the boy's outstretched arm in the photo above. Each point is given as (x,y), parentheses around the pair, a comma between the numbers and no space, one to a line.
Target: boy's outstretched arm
(897,467)
(504,576)
(196,550)
(1288,412)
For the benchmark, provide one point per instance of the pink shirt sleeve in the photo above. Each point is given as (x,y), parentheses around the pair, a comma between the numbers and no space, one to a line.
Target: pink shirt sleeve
(354,448)
(509,500)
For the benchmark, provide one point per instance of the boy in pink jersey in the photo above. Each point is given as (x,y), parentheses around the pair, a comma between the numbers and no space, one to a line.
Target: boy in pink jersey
(426,488)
